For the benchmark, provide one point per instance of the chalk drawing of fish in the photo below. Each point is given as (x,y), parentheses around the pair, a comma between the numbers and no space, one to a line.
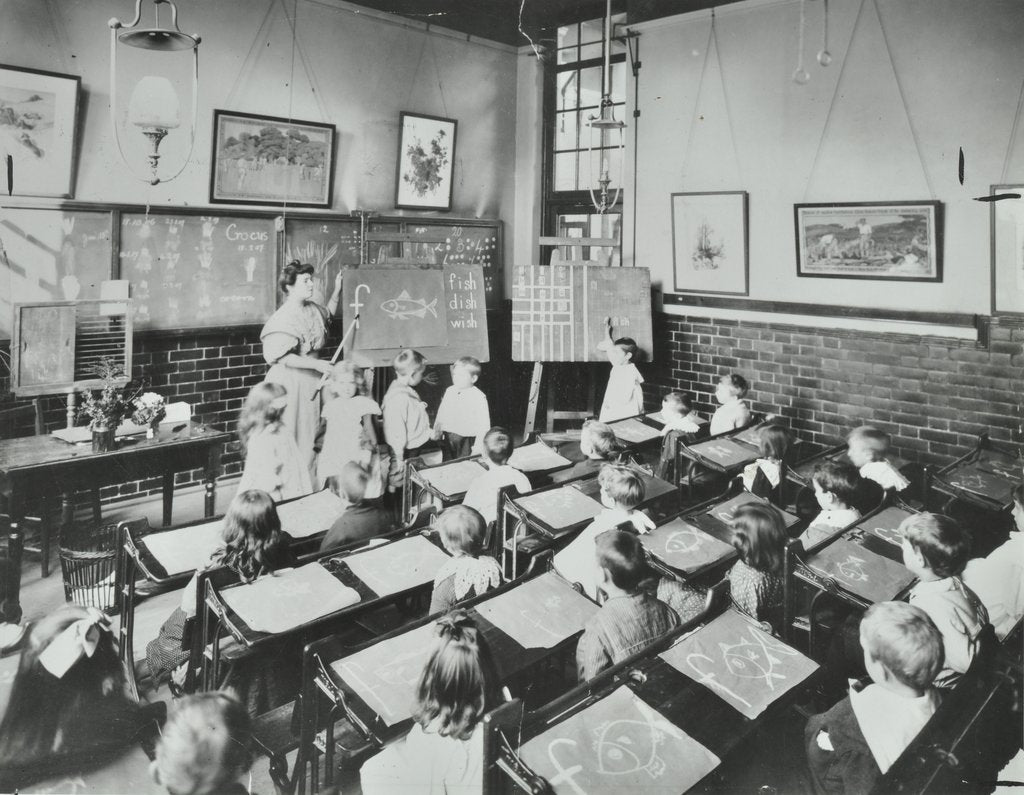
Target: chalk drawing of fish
(405,307)
(754,659)
(853,569)
(627,746)
(684,541)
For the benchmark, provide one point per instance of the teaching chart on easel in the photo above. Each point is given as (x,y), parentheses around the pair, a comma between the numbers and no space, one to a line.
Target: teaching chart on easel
(438,311)
(560,313)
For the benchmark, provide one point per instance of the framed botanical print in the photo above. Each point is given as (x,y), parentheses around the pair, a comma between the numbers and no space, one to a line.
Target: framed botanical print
(426,161)
(709,242)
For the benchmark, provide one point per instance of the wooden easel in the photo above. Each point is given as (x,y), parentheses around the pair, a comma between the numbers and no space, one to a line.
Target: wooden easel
(574,247)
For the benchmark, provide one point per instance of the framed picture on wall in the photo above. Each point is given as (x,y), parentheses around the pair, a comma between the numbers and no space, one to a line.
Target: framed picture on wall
(268,160)
(1008,250)
(709,242)
(895,241)
(426,160)
(38,131)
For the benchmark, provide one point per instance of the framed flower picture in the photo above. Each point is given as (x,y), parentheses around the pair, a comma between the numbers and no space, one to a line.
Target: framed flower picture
(709,242)
(426,161)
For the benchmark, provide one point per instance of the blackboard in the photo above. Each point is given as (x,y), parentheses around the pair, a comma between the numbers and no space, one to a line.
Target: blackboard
(44,348)
(438,311)
(198,271)
(329,244)
(560,312)
(465,245)
(50,254)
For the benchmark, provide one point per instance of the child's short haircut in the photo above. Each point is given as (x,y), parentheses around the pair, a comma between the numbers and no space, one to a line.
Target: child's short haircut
(737,383)
(603,440)
(205,745)
(941,541)
(471,363)
(903,638)
(498,445)
(622,555)
(773,441)
(759,535)
(350,483)
(870,438)
(347,371)
(462,529)
(843,481)
(623,485)
(627,345)
(408,362)
(679,401)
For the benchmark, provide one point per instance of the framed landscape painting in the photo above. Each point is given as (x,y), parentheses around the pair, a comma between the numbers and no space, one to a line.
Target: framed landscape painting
(426,161)
(709,242)
(267,160)
(1008,250)
(38,126)
(894,241)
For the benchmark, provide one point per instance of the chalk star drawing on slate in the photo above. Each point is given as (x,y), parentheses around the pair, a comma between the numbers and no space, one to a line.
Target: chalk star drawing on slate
(742,664)
(541,612)
(860,571)
(615,745)
(684,547)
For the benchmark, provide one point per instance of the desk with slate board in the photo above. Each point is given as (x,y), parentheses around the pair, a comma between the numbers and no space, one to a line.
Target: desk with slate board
(985,477)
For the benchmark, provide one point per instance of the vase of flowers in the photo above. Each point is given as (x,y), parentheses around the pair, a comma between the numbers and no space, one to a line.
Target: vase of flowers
(149,410)
(106,407)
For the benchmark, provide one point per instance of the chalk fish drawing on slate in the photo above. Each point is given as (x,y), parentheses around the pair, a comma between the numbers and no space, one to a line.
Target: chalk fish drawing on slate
(885,525)
(861,571)
(684,546)
(405,306)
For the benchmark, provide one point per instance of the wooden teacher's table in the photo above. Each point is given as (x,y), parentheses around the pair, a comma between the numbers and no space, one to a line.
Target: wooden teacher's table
(43,466)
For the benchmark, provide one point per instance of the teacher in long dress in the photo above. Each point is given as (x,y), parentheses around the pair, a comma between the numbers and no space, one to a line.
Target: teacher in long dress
(292,339)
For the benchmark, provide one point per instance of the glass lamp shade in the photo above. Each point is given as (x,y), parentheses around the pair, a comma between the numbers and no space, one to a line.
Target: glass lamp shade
(154,103)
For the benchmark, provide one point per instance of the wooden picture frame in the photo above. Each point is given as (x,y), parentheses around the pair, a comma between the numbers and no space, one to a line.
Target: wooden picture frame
(883,241)
(426,162)
(269,160)
(710,235)
(41,115)
(1007,231)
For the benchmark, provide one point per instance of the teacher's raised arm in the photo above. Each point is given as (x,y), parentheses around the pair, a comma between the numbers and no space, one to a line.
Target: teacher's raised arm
(292,339)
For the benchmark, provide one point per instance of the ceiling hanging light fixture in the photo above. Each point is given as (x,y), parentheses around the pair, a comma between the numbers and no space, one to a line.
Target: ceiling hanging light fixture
(153,107)
(604,127)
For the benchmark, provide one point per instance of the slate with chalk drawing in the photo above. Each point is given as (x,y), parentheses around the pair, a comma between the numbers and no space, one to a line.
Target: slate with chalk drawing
(860,571)
(541,612)
(725,453)
(884,524)
(616,745)
(309,515)
(716,520)
(398,566)
(453,479)
(740,663)
(685,547)
(561,508)
(185,549)
(632,431)
(985,479)
(289,598)
(537,457)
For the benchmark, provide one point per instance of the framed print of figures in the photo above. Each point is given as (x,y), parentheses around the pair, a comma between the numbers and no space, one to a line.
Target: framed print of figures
(426,160)
(1008,251)
(268,160)
(709,242)
(895,241)
(38,130)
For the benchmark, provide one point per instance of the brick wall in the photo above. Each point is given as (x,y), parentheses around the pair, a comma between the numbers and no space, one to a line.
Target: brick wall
(933,395)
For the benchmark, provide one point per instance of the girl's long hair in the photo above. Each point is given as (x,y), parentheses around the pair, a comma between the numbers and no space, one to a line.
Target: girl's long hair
(45,714)
(457,685)
(252,535)
(263,406)
(759,535)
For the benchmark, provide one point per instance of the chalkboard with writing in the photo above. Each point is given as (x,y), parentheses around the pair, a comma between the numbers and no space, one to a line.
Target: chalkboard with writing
(328,244)
(51,254)
(466,243)
(198,271)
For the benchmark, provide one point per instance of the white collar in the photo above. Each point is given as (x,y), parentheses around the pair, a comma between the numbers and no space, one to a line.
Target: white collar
(889,721)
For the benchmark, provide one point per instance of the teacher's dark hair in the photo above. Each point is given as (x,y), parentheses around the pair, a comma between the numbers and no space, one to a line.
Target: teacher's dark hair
(291,271)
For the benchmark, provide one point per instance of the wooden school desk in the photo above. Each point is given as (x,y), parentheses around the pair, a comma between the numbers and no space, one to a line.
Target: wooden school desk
(985,477)
(40,466)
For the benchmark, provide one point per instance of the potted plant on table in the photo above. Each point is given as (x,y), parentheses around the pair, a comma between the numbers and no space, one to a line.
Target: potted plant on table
(106,407)
(149,410)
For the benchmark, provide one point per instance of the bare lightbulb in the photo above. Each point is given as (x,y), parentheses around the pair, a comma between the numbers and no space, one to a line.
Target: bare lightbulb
(824,57)
(801,76)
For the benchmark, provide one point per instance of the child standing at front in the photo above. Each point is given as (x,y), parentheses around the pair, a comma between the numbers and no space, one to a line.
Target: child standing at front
(350,434)
(623,396)
(468,573)
(406,425)
(755,580)
(853,744)
(463,416)
(621,491)
(482,493)
(867,449)
(836,486)
(732,412)
(935,549)
(272,460)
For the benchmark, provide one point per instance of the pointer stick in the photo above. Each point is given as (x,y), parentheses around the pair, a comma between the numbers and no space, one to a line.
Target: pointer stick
(341,346)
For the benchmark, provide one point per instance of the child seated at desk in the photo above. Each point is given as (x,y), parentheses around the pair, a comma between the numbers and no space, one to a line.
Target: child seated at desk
(444,750)
(348,418)
(272,460)
(630,618)
(621,491)
(598,445)
(680,421)
(732,412)
(482,493)
(851,745)
(935,549)
(463,416)
(867,448)
(362,518)
(623,396)
(205,746)
(755,580)
(998,580)
(836,486)
(763,476)
(468,573)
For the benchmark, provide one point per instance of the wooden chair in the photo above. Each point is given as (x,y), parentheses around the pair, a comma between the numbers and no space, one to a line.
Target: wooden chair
(128,573)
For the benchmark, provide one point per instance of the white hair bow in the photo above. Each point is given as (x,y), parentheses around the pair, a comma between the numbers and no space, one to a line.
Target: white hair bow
(77,640)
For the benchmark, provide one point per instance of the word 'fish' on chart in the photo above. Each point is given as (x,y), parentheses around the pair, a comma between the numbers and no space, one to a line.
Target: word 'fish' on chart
(405,306)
